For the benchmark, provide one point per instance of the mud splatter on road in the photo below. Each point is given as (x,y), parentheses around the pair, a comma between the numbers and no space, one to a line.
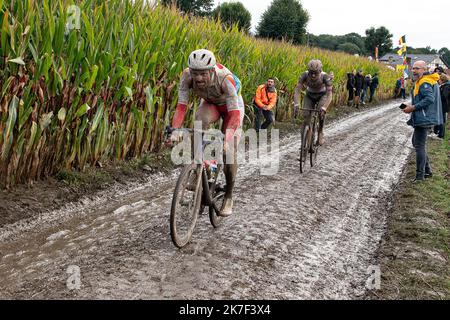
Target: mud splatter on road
(291,236)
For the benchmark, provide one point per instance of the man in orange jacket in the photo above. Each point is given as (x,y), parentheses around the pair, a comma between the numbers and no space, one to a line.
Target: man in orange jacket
(264,101)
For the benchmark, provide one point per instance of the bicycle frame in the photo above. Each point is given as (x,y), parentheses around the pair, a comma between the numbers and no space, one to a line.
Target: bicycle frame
(210,192)
(206,191)
(307,139)
(314,115)
(206,196)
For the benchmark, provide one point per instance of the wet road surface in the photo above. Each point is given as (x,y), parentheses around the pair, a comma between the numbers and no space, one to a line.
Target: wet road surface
(292,236)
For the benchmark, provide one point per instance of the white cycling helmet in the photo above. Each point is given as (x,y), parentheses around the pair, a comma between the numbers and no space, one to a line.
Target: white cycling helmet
(201,59)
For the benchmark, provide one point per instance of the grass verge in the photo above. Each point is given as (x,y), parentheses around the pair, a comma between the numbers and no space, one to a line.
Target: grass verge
(415,252)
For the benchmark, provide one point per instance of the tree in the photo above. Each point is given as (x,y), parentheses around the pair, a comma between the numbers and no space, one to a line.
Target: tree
(325,41)
(196,7)
(349,48)
(354,38)
(284,19)
(233,13)
(380,38)
(330,42)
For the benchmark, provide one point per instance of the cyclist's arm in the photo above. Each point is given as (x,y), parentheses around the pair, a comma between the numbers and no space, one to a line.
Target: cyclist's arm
(325,103)
(233,119)
(298,89)
(300,86)
(183,99)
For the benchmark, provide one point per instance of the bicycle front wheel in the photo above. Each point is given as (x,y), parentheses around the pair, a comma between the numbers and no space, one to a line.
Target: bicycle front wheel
(304,149)
(217,196)
(186,203)
(314,147)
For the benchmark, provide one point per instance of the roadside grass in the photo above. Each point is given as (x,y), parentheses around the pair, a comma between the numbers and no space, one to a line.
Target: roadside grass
(105,174)
(415,252)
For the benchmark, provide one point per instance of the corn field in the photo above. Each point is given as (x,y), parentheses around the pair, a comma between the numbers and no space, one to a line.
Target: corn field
(96,80)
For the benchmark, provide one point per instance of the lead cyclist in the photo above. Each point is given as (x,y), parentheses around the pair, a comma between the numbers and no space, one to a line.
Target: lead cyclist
(219,90)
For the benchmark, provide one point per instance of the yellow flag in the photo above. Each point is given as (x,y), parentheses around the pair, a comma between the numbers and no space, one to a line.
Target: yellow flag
(402,50)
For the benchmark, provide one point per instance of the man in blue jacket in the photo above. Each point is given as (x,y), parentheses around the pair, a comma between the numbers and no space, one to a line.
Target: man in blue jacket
(424,115)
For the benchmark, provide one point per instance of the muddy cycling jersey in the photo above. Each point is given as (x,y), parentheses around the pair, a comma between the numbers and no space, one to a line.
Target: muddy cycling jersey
(317,85)
(319,89)
(222,94)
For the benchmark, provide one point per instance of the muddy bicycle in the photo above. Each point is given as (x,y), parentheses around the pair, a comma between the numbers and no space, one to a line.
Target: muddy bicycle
(198,186)
(309,144)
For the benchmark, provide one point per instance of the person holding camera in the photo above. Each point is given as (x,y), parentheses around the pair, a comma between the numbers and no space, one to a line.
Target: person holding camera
(425,114)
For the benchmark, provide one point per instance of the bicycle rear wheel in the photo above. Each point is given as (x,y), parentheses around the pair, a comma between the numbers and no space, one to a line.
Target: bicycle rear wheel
(314,147)
(217,196)
(304,149)
(186,203)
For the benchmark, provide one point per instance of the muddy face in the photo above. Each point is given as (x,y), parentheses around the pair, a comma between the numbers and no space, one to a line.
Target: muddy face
(314,75)
(201,78)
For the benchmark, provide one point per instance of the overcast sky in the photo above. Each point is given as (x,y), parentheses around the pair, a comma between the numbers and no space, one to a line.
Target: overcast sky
(402,17)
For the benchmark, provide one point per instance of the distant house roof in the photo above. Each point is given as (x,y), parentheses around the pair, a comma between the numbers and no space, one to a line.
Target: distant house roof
(394,58)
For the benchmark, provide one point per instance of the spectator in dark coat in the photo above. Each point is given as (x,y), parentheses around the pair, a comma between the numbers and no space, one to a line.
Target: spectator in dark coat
(373,86)
(350,87)
(439,70)
(398,84)
(366,85)
(444,82)
(359,82)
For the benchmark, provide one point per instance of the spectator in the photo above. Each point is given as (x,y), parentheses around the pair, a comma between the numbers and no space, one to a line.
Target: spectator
(366,85)
(350,87)
(444,81)
(424,115)
(359,82)
(264,101)
(403,87)
(398,84)
(439,70)
(373,86)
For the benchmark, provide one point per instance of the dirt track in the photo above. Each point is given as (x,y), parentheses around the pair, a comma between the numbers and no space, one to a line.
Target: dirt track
(292,236)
